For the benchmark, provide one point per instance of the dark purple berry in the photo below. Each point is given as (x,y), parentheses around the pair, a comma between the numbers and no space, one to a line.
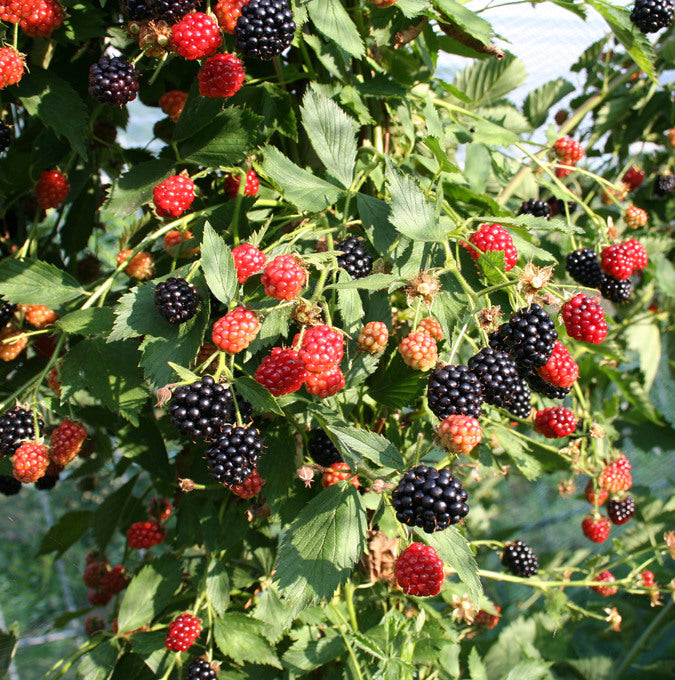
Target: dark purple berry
(113,80)
(177,300)
(264,29)
(520,559)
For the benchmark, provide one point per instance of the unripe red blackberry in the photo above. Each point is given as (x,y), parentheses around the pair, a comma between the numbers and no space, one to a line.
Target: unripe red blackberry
(617,476)
(221,76)
(459,434)
(338,472)
(113,80)
(326,383)
(281,372)
(419,350)
(493,238)
(535,207)
(172,103)
(264,29)
(615,290)
(583,266)
(11,66)
(144,535)
(227,12)
(30,462)
(233,455)
(638,253)
(196,36)
(251,487)
(429,498)
(177,300)
(355,259)
(183,631)
(373,337)
(531,336)
(584,319)
(44,20)
(322,348)
(51,189)
(248,260)
(555,422)
(173,196)
(454,390)
(497,374)
(560,370)
(16,426)
(235,331)
(321,449)
(596,528)
(617,261)
(621,510)
(66,441)
(231,186)
(634,177)
(606,577)
(595,496)
(419,571)
(520,559)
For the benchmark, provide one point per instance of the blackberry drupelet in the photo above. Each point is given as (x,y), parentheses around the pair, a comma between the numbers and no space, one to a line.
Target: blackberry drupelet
(177,300)
(9,486)
(17,426)
(200,669)
(531,336)
(539,385)
(614,289)
(583,266)
(264,29)
(519,404)
(664,185)
(498,339)
(113,81)
(137,10)
(172,11)
(5,137)
(233,455)
(520,559)
(536,208)
(652,15)
(429,498)
(497,374)
(356,259)
(47,482)
(619,512)
(454,390)
(321,449)
(7,309)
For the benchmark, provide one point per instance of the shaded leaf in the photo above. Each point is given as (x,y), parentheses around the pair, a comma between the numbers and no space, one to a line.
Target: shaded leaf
(69,528)
(240,637)
(32,282)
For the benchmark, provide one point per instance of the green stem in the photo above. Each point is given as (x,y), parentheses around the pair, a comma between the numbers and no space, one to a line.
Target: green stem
(349,597)
(350,649)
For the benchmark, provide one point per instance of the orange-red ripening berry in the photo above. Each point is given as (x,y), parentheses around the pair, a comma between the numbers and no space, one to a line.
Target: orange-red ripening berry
(459,434)
(236,330)
(373,337)
(38,316)
(336,473)
(431,326)
(11,67)
(172,103)
(419,351)
(66,441)
(141,266)
(227,12)
(30,462)
(12,342)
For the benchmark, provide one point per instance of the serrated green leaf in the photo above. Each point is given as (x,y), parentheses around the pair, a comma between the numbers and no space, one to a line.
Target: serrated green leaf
(476,666)
(372,282)
(150,647)
(217,586)
(87,322)
(644,338)
(630,385)
(32,282)
(218,266)
(331,19)
(374,213)
(241,638)
(528,465)
(307,654)
(398,386)
(134,187)
(349,304)
(136,314)
(332,134)
(485,82)
(98,663)
(448,309)
(68,528)
(258,396)
(463,17)
(531,669)
(359,442)
(185,374)
(538,103)
(477,166)
(148,593)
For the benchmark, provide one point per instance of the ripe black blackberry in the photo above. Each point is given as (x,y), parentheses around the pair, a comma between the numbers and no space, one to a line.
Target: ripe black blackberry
(200,669)
(497,374)
(47,482)
(172,11)
(454,390)
(137,10)
(583,266)
(520,559)
(519,403)
(498,339)
(619,512)
(664,185)
(321,449)
(200,410)
(6,311)
(5,137)
(16,426)
(113,81)
(356,259)
(9,486)
(615,290)
(429,498)
(177,300)
(264,29)
(652,15)
(531,336)
(558,206)
(233,455)
(536,208)
(539,385)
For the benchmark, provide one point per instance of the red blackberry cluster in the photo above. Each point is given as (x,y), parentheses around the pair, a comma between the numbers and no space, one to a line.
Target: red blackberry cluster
(177,300)
(606,577)
(569,152)
(200,669)
(113,80)
(7,310)
(248,260)
(356,259)
(173,196)
(16,426)
(222,75)
(196,36)
(419,571)
(493,238)
(596,528)
(454,390)
(231,186)
(584,319)
(652,15)
(621,510)
(51,189)
(560,370)
(530,336)
(429,498)
(634,177)
(284,277)
(264,29)
(281,372)
(5,137)
(233,455)
(183,631)
(497,374)
(338,472)
(321,449)
(555,422)
(520,559)
(144,535)
(251,487)
(9,485)
(535,207)
(583,266)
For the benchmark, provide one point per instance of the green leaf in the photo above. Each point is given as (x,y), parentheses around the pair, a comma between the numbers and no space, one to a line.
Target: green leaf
(148,593)
(258,396)
(185,374)
(87,322)
(98,663)
(449,309)
(477,166)
(332,134)
(331,19)
(300,187)
(411,213)
(538,103)
(529,466)
(320,548)
(630,385)
(32,282)
(356,442)
(644,338)
(218,266)
(134,188)
(58,106)
(476,666)
(241,638)
(372,282)
(150,647)
(136,314)
(306,654)
(114,512)
(454,550)
(476,26)
(398,386)
(8,642)
(217,586)
(374,213)
(531,669)
(485,82)
(350,305)
(69,528)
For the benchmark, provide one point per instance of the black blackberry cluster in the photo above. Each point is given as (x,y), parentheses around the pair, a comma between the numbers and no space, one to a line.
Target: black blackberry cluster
(5,137)
(520,404)
(652,15)
(177,300)
(200,669)
(47,482)
(137,10)
(233,455)
(264,29)
(619,512)
(536,208)
(664,185)
(172,11)
(454,390)
(113,81)
(615,290)
(9,486)
(497,374)
(6,311)
(16,426)
(356,259)
(539,385)
(520,559)
(201,409)
(321,449)
(583,266)
(558,206)
(530,336)
(498,339)
(429,498)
